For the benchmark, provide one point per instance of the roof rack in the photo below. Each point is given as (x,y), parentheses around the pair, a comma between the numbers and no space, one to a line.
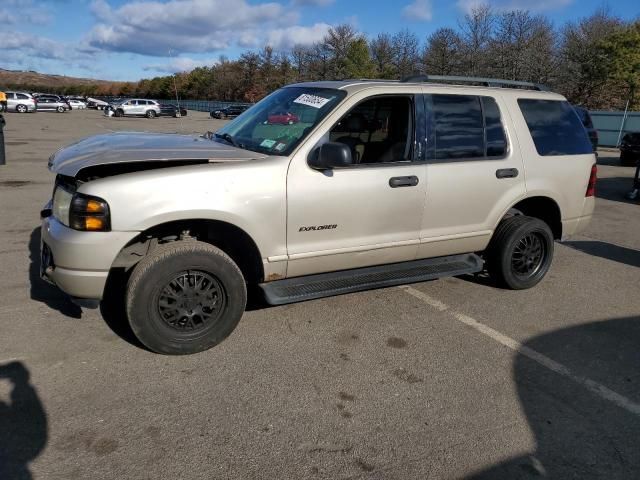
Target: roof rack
(487,82)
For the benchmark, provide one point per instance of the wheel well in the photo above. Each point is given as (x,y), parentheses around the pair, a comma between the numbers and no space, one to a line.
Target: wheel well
(543,208)
(232,240)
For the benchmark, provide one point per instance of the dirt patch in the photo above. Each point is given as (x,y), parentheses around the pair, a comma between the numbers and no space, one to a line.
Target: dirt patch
(396,342)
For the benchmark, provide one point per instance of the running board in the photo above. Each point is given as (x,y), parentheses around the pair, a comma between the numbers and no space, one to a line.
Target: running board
(298,289)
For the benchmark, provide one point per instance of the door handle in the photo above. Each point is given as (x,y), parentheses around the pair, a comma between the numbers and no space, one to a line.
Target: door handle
(507,173)
(410,181)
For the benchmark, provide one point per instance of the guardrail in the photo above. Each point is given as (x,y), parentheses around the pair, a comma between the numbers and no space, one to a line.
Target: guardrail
(609,125)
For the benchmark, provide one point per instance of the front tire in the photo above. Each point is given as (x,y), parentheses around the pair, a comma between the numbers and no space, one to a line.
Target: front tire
(60,109)
(21,109)
(150,114)
(185,297)
(520,252)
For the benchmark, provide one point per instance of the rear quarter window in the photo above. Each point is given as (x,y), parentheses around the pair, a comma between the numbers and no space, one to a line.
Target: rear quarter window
(555,127)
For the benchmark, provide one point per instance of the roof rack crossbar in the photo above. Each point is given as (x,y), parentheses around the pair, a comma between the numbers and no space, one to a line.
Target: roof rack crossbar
(488,82)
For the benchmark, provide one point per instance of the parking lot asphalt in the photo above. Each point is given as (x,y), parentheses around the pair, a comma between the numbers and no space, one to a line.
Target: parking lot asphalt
(446,379)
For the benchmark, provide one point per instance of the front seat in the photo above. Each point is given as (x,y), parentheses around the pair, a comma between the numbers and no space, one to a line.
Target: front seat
(355,124)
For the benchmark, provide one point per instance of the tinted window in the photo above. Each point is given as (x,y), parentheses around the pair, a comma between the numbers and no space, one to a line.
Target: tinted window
(458,126)
(496,139)
(22,96)
(555,127)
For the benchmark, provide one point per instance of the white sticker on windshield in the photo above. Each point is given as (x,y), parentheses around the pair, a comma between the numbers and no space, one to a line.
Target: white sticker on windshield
(267,143)
(311,100)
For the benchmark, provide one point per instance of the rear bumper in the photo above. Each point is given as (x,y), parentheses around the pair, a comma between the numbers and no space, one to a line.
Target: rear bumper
(576,225)
(78,262)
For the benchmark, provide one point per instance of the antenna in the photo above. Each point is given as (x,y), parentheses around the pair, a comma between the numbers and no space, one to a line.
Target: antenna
(175,87)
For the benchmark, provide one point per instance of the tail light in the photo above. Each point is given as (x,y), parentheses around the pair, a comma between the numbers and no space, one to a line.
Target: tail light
(591,186)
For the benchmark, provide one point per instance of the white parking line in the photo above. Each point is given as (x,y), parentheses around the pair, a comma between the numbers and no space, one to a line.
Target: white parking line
(591,385)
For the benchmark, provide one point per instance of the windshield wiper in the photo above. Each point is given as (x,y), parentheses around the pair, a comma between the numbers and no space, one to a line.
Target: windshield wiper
(228,138)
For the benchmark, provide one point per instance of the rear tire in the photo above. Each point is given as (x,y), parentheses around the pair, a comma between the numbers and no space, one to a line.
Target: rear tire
(150,114)
(185,297)
(520,252)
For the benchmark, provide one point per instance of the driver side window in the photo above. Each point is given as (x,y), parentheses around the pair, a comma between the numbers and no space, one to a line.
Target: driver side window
(378,130)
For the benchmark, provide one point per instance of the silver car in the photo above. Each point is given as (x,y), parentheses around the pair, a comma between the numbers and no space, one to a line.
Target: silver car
(52,104)
(378,184)
(137,107)
(21,102)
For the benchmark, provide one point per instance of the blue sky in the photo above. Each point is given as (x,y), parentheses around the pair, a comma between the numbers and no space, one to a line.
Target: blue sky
(133,39)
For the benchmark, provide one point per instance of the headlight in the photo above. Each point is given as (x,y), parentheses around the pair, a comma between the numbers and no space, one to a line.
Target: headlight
(80,211)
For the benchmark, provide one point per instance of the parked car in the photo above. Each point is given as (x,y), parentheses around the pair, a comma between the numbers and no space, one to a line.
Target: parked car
(52,104)
(136,107)
(21,102)
(96,103)
(50,98)
(586,120)
(228,112)
(171,110)
(630,149)
(190,223)
(284,118)
(77,104)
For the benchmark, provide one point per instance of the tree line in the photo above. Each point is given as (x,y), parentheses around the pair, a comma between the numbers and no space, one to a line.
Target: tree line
(593,61)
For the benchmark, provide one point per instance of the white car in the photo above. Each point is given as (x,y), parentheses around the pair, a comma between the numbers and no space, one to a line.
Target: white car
(379,183)
(137,107)
(97,104)
(77,104)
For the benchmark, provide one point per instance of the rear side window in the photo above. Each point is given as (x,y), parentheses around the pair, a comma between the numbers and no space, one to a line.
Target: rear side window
(466,127)
(495,137)
(555,127)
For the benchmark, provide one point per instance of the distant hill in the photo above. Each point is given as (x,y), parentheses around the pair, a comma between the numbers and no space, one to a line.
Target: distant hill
(42,82)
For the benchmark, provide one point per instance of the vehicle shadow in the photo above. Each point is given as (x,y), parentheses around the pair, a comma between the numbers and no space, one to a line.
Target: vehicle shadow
(23,424)
(615,189)
(582,429)
(619,254)
(610,160)
(40,290)
(113,307)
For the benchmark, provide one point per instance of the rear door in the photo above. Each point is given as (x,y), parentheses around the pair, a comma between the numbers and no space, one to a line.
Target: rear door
(474,171)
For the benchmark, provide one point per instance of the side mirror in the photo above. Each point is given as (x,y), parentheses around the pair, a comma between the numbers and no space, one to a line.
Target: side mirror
(330,155)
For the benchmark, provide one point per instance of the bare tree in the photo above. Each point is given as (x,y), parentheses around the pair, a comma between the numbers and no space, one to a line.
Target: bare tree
(405,53)
(522,47)
(337,43)
(476,30)
(382,56)
(442,53)
(584,77)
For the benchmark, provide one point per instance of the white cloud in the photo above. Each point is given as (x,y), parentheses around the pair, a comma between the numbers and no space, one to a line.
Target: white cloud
(418,10)
(154,27)
(285,38)
(179,64)
(501,5)
(24,11)
(33,45)
(313,3)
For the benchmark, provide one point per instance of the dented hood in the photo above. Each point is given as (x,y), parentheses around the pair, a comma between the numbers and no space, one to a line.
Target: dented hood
(127,147)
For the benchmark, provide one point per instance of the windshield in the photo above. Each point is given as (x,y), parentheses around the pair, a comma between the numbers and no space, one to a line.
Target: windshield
(280,121)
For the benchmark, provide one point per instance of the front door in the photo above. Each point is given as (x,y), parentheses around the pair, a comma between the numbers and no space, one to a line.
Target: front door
(368,213)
